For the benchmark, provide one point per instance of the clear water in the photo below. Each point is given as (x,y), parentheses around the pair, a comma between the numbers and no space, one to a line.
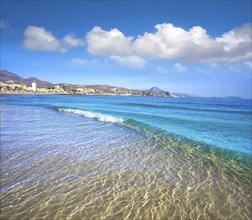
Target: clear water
(109,157)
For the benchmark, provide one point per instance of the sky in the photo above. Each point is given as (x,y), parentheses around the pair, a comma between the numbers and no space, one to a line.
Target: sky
(195,47)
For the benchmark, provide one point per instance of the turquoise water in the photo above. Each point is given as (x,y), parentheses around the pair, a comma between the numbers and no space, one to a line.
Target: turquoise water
(222,123)
(115,157)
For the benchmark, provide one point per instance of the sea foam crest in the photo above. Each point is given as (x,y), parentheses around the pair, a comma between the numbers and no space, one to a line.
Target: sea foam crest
(88,114)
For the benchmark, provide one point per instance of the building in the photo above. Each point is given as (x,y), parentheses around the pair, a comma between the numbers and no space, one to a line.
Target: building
(66,88)
(34,86)
(57,87)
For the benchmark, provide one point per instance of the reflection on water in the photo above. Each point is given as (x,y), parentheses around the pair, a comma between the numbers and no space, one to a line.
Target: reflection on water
(62,166)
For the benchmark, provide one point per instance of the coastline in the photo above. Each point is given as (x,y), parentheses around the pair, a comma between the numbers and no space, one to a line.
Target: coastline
(80,94)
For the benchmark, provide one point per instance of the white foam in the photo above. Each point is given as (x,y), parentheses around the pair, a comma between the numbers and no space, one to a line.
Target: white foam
(88,114)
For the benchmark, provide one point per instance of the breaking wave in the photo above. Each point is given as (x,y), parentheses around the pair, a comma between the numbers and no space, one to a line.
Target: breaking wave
(89,114)
(160,136)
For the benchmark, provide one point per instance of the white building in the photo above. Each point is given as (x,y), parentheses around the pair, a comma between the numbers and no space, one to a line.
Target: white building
(34,86)
(57,87)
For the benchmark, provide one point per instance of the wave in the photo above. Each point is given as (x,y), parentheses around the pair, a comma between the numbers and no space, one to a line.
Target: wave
(175,143)
(89,114)
(166,139)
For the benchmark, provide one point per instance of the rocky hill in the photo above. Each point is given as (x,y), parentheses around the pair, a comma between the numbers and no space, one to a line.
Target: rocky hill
(155,89)
(6,76)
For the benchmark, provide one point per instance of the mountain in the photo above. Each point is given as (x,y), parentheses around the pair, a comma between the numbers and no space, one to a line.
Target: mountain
(38,81)
(155,89)
(6,76)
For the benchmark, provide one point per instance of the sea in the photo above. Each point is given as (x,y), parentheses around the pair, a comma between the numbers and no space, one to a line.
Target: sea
(123,157)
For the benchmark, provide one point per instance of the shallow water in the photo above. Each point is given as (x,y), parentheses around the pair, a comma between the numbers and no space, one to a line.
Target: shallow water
(60,162)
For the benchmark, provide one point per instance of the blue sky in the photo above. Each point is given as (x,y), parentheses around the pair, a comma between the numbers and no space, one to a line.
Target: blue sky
(196,47)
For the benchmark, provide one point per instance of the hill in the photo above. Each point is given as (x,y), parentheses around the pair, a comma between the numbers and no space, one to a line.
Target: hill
(155,89)
(6,76)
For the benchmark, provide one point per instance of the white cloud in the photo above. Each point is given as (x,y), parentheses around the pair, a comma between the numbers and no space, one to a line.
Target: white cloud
(130,61)
(168,42)
(114,45)
(179,68)
(71,41)
(108,43)
(171,42)
(235,38)
(161,69)
(37,38)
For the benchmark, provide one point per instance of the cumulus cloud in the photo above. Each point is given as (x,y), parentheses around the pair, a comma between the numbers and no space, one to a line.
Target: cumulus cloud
(179,68)
(71,41)
(108,43)
(236,38)
(37,38)
(169,42)
(114,45)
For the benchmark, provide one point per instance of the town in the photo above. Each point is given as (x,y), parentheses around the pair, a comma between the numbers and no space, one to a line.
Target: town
(10,87)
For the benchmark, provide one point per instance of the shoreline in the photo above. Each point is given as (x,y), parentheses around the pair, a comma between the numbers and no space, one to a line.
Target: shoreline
(78,94)
(126,95)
